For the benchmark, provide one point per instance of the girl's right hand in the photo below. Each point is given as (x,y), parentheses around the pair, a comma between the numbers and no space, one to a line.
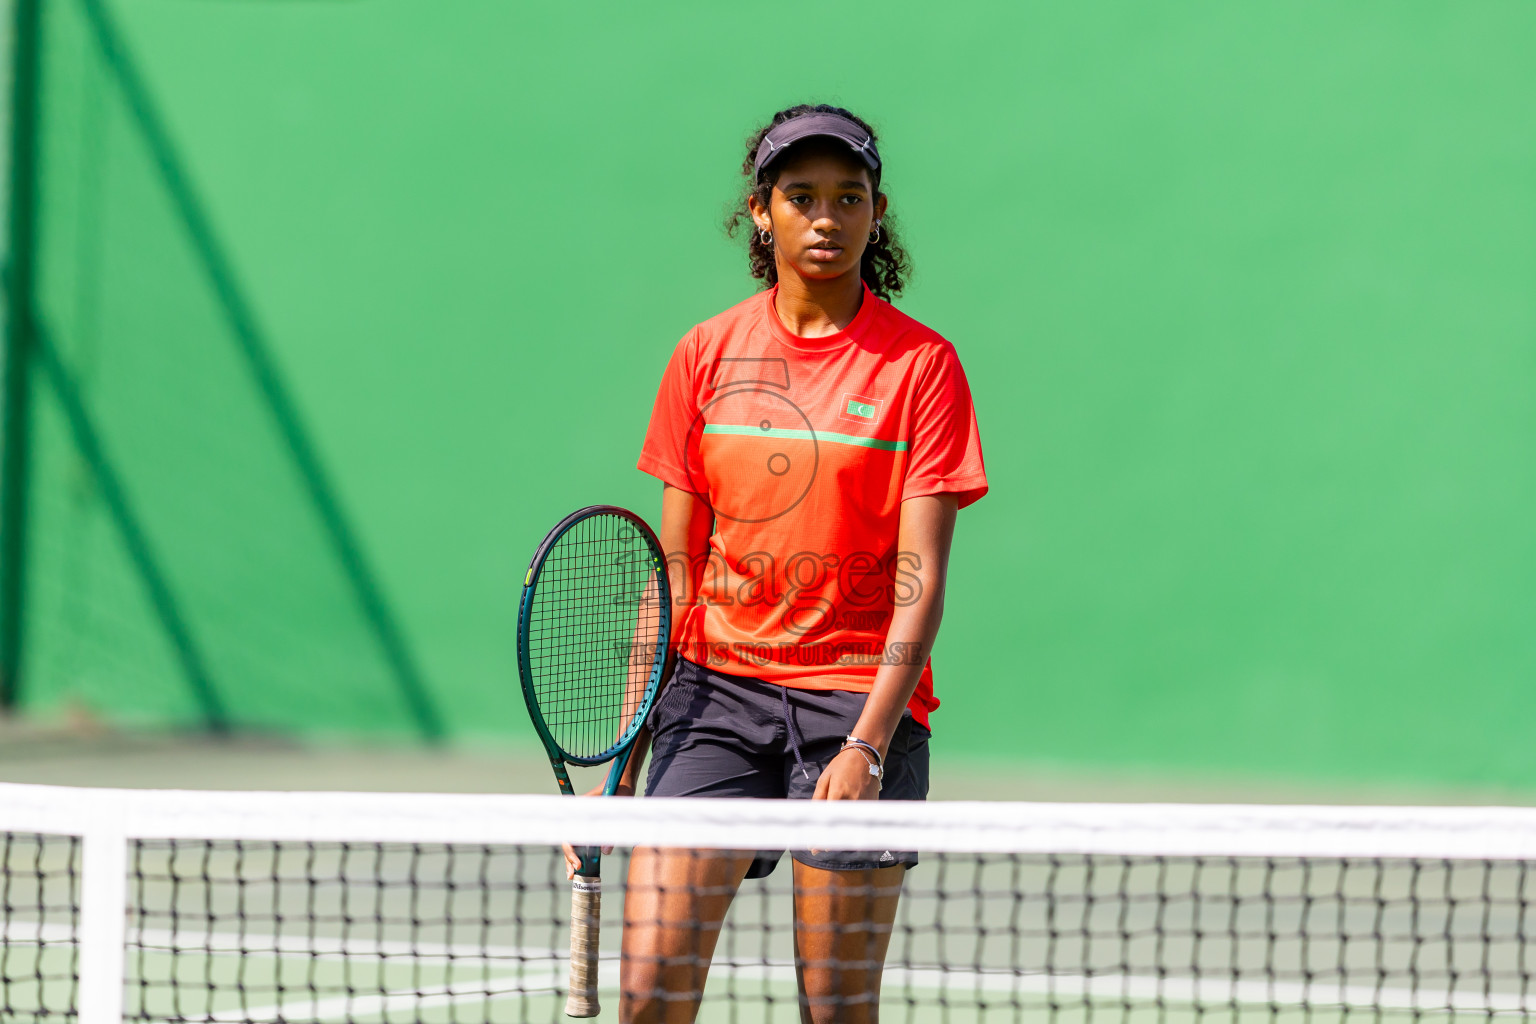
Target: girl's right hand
(573,862)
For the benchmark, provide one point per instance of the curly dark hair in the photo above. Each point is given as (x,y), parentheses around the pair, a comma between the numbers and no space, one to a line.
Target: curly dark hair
(885,266)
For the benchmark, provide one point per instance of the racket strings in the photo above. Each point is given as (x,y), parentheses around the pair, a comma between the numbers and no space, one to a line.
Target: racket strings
(594,624)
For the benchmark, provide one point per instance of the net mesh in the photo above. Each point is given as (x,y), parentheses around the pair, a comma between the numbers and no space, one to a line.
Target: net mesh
(40,906)
(442,930)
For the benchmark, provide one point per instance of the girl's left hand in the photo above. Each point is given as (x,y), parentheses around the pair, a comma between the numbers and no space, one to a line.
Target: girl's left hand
(848,778)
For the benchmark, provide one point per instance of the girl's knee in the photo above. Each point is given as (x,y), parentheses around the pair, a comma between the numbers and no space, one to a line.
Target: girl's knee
(659,989)
(830,1006)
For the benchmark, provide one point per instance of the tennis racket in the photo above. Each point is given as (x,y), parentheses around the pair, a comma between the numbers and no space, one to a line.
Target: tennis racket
(592,633)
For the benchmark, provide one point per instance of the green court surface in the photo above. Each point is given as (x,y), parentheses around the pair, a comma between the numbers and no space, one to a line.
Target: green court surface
(86,752)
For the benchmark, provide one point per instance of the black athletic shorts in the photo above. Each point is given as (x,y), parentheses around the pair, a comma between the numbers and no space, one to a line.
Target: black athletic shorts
(714,734)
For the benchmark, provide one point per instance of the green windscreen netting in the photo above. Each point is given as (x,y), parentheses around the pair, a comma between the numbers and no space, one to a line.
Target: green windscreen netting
(1242,292)
(189,560)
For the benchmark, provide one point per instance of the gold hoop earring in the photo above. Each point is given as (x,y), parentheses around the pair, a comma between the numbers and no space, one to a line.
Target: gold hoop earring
(874,236)
(765,237)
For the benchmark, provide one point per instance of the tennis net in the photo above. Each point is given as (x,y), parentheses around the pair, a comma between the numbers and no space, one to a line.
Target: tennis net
(300,907)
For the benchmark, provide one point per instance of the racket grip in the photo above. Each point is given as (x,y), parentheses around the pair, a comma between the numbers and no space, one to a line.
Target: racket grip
(586,913)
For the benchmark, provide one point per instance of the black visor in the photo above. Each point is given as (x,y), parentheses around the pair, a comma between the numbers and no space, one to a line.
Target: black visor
(831,126)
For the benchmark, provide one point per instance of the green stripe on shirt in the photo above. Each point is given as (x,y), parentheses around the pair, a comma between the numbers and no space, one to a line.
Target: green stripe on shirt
(806,435)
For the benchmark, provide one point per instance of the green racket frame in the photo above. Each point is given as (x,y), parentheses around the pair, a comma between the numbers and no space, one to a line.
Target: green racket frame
(620,751)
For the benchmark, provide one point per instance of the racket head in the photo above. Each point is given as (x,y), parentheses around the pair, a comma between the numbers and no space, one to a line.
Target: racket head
(593,627)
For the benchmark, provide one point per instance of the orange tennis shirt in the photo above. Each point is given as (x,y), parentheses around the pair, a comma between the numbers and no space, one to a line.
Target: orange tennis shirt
(805,449)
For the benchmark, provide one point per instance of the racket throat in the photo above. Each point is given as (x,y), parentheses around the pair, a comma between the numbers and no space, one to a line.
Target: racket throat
(616,772)
(562,776)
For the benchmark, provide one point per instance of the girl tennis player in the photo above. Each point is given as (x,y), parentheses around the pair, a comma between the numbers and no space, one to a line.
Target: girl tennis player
(814,444)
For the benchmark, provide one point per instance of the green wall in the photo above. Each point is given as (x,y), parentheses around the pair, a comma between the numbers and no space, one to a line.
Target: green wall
(1247,295)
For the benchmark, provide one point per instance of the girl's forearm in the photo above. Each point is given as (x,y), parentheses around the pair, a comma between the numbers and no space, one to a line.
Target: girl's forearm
(911,636)
(642,746)
(927,527)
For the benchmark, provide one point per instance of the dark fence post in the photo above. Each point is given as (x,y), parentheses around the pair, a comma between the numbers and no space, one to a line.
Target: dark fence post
(20,341)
